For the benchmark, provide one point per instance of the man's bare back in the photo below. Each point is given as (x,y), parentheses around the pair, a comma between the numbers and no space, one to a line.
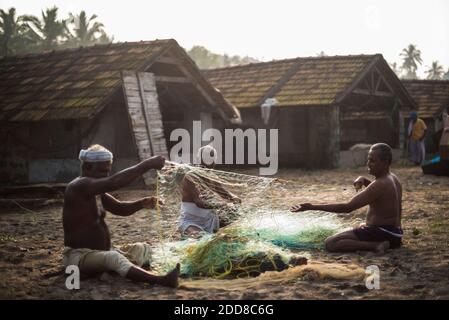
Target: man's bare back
(196,210)
(386,209)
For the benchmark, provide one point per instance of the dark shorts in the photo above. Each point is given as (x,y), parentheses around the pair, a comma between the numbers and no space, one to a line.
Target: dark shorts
(380,233)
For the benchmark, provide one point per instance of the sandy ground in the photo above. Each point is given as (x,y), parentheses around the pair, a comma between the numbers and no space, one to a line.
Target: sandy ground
(31,246)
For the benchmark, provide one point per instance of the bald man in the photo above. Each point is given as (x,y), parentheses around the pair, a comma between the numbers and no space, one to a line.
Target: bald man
(383,196)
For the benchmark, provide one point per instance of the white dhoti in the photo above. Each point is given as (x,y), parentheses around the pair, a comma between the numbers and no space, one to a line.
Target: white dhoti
(192,215)
(119,260)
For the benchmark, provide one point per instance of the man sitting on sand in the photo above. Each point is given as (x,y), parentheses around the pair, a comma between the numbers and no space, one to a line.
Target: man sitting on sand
(384,198)
(86,235)
(197,214)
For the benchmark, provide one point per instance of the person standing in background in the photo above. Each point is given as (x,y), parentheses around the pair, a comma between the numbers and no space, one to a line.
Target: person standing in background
(416,133)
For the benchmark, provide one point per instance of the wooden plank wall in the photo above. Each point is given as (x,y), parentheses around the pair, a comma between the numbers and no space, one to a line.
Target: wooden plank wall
(145,117)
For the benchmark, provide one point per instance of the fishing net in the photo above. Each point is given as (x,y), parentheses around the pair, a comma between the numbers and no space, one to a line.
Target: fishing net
(256,233)
(223,255)
(312,271)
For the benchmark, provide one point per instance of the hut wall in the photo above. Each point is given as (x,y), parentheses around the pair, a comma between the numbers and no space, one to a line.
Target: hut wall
(367,131)
(323,136)
(112,130)
(47,151)
(180,107)
(38,152)
(183,119)
(308,136)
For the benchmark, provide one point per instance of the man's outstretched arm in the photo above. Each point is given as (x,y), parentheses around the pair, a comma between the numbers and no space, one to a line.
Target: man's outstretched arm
(126,208)
(367,196)
(92,187)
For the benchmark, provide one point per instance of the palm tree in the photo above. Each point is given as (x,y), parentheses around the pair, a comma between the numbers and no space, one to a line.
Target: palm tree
(411,58)
(12,33)
(49,31)
(435,72)
(86,31)
(446,75)
(104,38)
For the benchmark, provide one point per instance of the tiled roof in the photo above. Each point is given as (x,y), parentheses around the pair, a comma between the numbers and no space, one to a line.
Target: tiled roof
(78,83)
(245,85)
(430,95)
(67,84)
(301,81)
(320,80)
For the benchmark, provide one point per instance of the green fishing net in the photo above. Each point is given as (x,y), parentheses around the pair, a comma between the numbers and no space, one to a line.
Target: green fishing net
(225,254)
(256,235)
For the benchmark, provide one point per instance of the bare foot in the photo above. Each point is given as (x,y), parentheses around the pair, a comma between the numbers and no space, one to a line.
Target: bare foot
(193,232)
(382,247)
(171,278)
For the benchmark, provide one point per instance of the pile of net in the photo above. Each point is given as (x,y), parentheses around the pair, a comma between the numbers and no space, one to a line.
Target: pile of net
(223,255)
(256,234)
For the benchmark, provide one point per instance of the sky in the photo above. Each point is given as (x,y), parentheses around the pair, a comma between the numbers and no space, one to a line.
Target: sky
(274,29)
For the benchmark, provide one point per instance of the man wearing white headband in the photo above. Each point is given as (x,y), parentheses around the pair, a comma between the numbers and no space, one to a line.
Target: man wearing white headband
(86,236)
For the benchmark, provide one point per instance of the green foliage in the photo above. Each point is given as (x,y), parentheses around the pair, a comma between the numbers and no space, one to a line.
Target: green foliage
(206,59)
(47,32)
(28,33)
(446,75)
(435,71)
(83,31)
(14,36)
(411,58)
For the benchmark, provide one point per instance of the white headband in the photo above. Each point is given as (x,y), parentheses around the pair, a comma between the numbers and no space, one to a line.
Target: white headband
(95,156)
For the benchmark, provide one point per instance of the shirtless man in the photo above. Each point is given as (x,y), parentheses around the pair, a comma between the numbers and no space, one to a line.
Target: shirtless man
(384,198)
(86,235)
(197,214)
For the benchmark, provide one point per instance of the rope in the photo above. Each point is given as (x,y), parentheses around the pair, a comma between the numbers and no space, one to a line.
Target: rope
(22,207)
(159,218)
